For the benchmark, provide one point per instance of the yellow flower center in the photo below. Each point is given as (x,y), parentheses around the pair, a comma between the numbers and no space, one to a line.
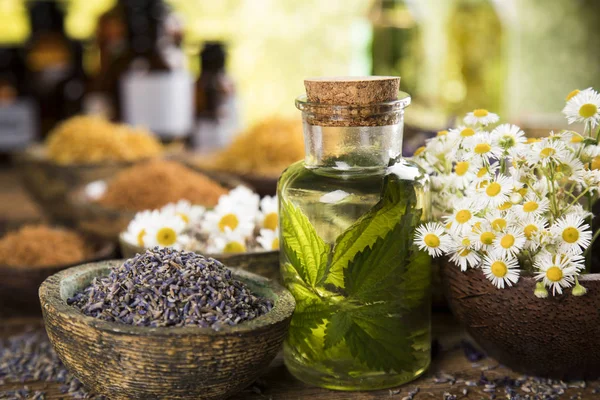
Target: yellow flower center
(442,133)
(505,206)
(554,274)
(522,191)
(184,217)
(530,206)
(588,110)
(419,150)
(499,224)
(493,189)
(480,113)
(234,247)
(228,220)
(467,132)
(481,173)
(461,168)
(464,253)
(499,269)
(275,244)
(596,162)
(572,94)
(532,140)
(140,238)
(466,242)
(166,236)
(487,237)
(431,240)
(482,184)
(463,216)
(271,221)
(576,139)
(507,241)
(570,235)
(476,227)
(482,148)
(529,230)
(547,152)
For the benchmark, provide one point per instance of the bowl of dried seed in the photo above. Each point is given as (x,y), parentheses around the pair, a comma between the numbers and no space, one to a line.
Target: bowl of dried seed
(165,324)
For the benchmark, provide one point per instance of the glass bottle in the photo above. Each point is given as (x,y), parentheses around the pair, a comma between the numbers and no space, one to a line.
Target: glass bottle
(347,218)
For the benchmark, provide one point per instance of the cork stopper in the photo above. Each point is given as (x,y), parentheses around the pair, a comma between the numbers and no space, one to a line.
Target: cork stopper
(348,90)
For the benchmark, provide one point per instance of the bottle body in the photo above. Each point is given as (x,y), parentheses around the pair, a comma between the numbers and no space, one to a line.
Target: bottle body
(347,220)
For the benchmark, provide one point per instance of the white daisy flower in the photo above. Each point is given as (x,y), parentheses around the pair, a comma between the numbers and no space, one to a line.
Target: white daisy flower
(465,172)
(432,237)
(223,219)
(572,233)
(510,242)
(481,116)
(138,227)
(532,206)
(508,136)
(591,179)
(462,132)
(555,271)
(463,217)
(482,236)
(500,220)
(546,151)
(185,210)
(584,107)
(500,270)
(226,243)
(572,168)
(269,239)
(240,198)
(486,172)
(166,231)
(465,258)
(494,194)
(532,227)
(482,146)
(268,216)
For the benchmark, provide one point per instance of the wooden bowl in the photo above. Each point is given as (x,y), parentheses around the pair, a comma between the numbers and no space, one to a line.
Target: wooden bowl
(263,263)
(264,185)
(556,337)
(131,362)
(49,183)
(105,222)
(19,285)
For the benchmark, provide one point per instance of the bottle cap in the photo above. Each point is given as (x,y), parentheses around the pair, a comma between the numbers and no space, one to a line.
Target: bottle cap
(348,90)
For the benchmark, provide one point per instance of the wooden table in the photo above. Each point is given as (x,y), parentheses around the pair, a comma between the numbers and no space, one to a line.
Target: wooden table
(451,373)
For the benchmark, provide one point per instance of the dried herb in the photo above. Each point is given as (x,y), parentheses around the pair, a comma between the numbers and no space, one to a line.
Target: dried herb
(165,287)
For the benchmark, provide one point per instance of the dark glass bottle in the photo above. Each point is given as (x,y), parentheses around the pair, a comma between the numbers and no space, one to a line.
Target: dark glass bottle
(145,89)
(215,108)
(49,58)
(72,88)
(17,110)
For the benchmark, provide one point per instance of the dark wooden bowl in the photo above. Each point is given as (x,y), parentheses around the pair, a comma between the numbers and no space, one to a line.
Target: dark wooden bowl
(105,222)
(19,285)
(130,362)
(263,263)
(557,337)
(49,183)
(264,185)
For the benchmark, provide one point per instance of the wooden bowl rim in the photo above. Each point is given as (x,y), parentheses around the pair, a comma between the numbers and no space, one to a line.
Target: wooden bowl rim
(37,153)
(283,306)
(217,256)
(104,249)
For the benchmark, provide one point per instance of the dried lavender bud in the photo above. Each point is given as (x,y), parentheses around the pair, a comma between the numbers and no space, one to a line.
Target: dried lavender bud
(30,357)
(471,351)
(165,287)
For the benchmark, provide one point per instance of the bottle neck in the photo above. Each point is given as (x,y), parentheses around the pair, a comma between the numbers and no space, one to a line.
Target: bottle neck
(353,149)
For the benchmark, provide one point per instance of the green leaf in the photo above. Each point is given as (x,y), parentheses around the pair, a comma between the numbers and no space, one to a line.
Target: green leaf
(302,246)
(308,316)
(416,283)
(379,339)
(338,326)
(375,224)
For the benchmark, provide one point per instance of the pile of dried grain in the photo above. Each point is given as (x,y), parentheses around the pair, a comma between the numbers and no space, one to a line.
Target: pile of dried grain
(154,184)
(40,245)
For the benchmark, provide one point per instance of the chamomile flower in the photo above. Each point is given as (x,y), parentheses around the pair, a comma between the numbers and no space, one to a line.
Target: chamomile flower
(463,217)
(510,242)
(546,151)
(572,233)
(185,210)
(508,136)
(555,271)
(432,238)
(268,239)
(532,227)
(482,236)
(481,116)
(267,216)
(532,206)
(137,229)
(584,107)
(483,147)
(224,218)
(465,258)
(226,243)
(242,198)
(465,172)
(166,231)
(572,168)
(500,270)
(495,193)
(500,220)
